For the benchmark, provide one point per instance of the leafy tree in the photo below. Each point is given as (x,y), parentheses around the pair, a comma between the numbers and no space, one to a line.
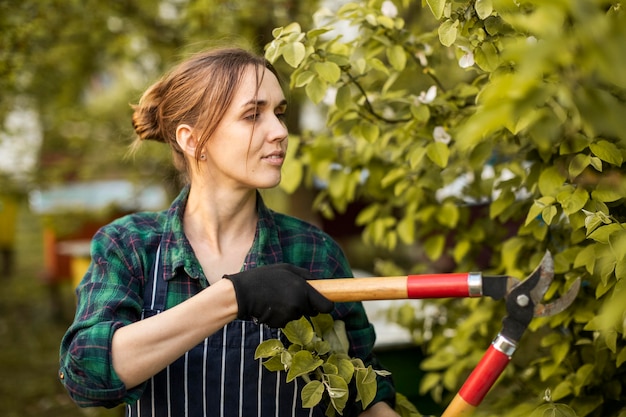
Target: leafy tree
(78,64)
(478,134)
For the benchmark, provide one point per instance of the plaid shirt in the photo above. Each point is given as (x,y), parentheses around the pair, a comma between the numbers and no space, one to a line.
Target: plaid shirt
(111,293)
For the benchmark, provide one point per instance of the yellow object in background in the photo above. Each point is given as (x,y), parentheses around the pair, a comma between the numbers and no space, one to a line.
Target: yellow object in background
(8,221)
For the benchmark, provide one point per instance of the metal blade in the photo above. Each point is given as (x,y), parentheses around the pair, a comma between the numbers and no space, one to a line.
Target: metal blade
(546,271)
(555,307)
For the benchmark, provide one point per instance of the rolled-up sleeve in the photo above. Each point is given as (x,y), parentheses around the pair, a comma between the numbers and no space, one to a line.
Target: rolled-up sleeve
(360,331)
(107,299)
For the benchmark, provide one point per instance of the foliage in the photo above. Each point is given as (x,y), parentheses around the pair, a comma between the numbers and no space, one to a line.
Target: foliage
(78,64)
(477,140)
(318,353)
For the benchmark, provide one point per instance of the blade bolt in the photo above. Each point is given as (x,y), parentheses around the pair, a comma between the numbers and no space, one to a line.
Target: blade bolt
(522,300)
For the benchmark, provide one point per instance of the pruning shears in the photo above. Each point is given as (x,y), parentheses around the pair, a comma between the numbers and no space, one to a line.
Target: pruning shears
(523,302)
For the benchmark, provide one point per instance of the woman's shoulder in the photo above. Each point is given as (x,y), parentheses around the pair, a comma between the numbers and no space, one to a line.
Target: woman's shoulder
(291,225)
(135,225)
(295,231)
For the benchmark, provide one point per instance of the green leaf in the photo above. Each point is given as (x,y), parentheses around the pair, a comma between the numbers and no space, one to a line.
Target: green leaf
(368,214)
(397,57)
(338,392)
(433,246)
(548,214)
(578,164)
(272,51)
(448,215)
(294,53)
(621,357)
(366,385)
(617,243)
(268,348)
(461,249)
(345,368)
(322,323)
(436,7)
(602,233)
(406,229)
(429,381)
(312,394)
(439,153)
(416,156)
(484,8)
(575,201)
(562,390)
(607,151)
(343,99)
(537,208)
(596,163)
(447,32)
(329,368)
(574,145)
(304,77)
(328,71)
(369,131)
(337,337)
(303,363)
(299,332)
(503,202)
(554,410)
(550,181)
(393,176)
(487,59)
(291,175)
(316,90)
(606,193)
(385,21)
(582,376)
(275,364)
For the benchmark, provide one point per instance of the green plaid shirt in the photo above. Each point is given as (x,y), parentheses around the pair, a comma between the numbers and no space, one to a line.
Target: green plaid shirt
(111,293)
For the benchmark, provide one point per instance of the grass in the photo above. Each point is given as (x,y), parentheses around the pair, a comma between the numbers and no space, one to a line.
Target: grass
(31,327)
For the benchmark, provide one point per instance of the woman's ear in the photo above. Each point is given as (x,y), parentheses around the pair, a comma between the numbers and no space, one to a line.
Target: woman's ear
(186,139)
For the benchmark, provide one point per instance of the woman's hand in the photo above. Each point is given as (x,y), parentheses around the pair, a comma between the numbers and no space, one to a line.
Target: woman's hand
(277,294)
(380,409)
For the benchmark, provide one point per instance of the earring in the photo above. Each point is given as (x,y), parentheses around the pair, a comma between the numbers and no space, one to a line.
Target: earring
(202,157)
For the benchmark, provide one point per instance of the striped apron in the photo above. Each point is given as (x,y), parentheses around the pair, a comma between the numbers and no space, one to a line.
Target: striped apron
(219,377)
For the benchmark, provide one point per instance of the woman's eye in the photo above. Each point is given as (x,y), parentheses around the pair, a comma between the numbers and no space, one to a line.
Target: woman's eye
(281,116)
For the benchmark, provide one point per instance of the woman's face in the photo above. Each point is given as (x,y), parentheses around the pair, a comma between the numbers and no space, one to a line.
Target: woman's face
(248,148)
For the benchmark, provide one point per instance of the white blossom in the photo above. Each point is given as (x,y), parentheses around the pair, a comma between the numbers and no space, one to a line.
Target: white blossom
(467,59)
(389,9)
(330,96)
(421,56)
(440,135)
(426,97)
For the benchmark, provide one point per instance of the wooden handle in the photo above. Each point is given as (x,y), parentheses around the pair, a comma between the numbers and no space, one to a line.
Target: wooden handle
(479,382)
(395,288)
(362,289)
(458,407)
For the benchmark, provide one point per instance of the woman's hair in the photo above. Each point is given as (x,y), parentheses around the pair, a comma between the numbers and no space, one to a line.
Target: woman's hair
(197,92)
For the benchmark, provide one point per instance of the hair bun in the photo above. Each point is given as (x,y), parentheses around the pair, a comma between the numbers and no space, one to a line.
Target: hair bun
(146,118)
(146,124)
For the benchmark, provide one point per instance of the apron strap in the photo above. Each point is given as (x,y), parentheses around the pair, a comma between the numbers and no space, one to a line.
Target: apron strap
(155,289)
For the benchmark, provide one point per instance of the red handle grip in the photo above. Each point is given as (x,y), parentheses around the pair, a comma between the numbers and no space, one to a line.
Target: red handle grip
(438,286)
(484,376)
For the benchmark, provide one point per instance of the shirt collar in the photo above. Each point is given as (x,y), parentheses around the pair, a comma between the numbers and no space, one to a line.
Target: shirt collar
(176,251)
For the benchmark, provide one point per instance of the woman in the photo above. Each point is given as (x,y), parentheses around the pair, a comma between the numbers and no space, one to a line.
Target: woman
(175,303)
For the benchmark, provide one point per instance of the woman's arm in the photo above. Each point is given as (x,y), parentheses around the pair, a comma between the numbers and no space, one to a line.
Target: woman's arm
(380,409)
(142,349)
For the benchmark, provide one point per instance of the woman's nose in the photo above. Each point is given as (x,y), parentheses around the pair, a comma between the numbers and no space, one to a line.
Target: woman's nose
(279,129)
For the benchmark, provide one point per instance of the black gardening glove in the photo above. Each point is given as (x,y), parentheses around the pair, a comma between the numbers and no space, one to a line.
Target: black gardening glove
(277,294)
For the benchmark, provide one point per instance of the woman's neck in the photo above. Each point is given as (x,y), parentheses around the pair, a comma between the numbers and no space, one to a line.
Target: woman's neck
(220,217)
